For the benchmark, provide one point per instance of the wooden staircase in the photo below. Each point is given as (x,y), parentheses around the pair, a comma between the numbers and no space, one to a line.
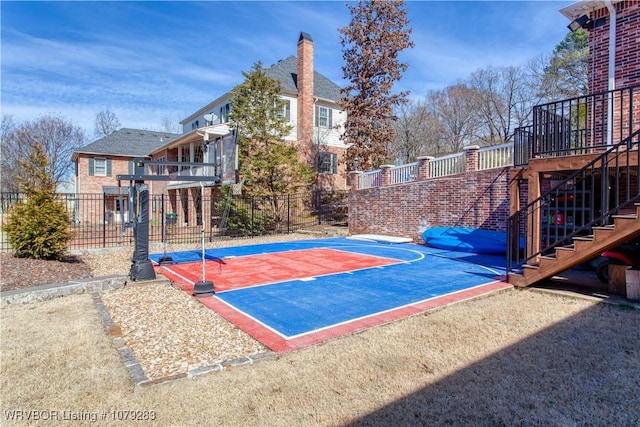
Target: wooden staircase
(624,228)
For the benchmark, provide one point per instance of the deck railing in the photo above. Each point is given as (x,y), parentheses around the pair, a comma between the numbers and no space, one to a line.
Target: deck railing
(581,125)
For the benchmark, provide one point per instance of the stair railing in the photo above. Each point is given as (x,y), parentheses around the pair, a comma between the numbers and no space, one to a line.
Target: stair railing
(614,173)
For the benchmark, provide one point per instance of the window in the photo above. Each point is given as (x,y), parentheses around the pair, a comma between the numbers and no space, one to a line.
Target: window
(324,117)
(195,125)
(224,113)
(99,167)
(286,109)
(327,163)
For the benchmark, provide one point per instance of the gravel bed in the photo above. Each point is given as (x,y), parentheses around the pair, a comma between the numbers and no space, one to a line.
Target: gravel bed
(170,332)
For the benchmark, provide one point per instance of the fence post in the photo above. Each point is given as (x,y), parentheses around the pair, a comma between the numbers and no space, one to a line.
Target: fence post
(288,213)
(424,167)
(386,175)
(316,196)
(471,158)
(162,219)
(104,222)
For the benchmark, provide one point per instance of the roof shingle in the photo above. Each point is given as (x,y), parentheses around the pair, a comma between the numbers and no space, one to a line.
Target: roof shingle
(128,142)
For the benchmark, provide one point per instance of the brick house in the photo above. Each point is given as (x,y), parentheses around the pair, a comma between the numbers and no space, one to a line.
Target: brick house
(98,163)
(311,106)
(311,101)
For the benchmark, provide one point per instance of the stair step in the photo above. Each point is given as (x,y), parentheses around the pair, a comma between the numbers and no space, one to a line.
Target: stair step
(604,227)
(564,252)
(626,216)
(603,230)
(583,238)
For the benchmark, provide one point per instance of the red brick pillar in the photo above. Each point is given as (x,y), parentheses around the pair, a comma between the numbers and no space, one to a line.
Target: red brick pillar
(305,89)
(471,158)
(424,164)
(386,175)
(354,180)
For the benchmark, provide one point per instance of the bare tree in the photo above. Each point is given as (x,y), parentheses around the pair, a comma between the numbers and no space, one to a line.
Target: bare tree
(58,139)
(416,132)
(505,99)
(6,161)
(106,123)
(456,109)
(377,33)
(169,125)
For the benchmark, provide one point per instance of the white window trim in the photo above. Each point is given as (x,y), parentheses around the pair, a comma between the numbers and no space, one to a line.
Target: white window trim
(103,166)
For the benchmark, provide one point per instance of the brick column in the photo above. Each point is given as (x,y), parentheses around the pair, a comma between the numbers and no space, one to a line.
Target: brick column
(354,180)
(471,158)
(424,171)
(386,175)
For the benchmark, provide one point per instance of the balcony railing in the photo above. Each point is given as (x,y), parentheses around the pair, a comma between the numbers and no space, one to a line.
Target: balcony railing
(582,125)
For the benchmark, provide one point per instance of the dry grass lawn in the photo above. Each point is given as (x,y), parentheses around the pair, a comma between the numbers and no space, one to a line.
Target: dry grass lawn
(512,358)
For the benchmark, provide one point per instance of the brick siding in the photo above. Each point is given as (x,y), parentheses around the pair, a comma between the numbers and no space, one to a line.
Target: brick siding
(627,61)
(477,199)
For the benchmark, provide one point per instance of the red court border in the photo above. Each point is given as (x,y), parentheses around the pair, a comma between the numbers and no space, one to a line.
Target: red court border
(280,344)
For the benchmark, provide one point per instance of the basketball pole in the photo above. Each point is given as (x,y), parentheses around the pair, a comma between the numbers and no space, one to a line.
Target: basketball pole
(204,287)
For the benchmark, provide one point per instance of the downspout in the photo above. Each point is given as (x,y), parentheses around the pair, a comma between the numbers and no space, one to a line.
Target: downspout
(611,85)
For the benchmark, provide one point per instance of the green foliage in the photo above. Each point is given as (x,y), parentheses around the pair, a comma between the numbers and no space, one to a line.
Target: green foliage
(269,164)
(38,227)
(244,219)
(566,74)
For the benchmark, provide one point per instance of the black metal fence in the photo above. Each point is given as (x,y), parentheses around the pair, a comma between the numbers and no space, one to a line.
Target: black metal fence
(579,125)
(98,219)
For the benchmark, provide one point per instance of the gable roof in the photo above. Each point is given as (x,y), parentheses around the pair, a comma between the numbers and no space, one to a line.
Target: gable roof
(127,142)
(286,72)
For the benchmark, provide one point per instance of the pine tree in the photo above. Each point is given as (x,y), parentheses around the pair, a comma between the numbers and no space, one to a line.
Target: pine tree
(372,41)
(38,227)
(270,164)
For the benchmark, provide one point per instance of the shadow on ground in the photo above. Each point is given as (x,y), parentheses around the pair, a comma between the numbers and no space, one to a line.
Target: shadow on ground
(583,371)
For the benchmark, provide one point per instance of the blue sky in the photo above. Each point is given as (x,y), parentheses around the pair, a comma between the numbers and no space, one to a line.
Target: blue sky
(150,60)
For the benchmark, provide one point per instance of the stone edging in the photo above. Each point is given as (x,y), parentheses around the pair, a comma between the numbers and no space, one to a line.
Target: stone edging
(133,366)
(46,292)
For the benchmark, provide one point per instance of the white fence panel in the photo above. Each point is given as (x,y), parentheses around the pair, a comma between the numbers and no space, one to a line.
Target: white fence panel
(446,165)
(404,173)
(370,179)
(495,157)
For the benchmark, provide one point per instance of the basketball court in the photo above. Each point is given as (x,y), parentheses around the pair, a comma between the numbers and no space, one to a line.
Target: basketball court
(294,294)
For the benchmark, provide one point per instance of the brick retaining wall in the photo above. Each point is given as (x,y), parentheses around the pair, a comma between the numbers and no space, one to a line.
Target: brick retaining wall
(477,199)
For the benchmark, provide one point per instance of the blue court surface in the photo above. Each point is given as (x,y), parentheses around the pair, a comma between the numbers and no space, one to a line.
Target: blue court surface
(393,276)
